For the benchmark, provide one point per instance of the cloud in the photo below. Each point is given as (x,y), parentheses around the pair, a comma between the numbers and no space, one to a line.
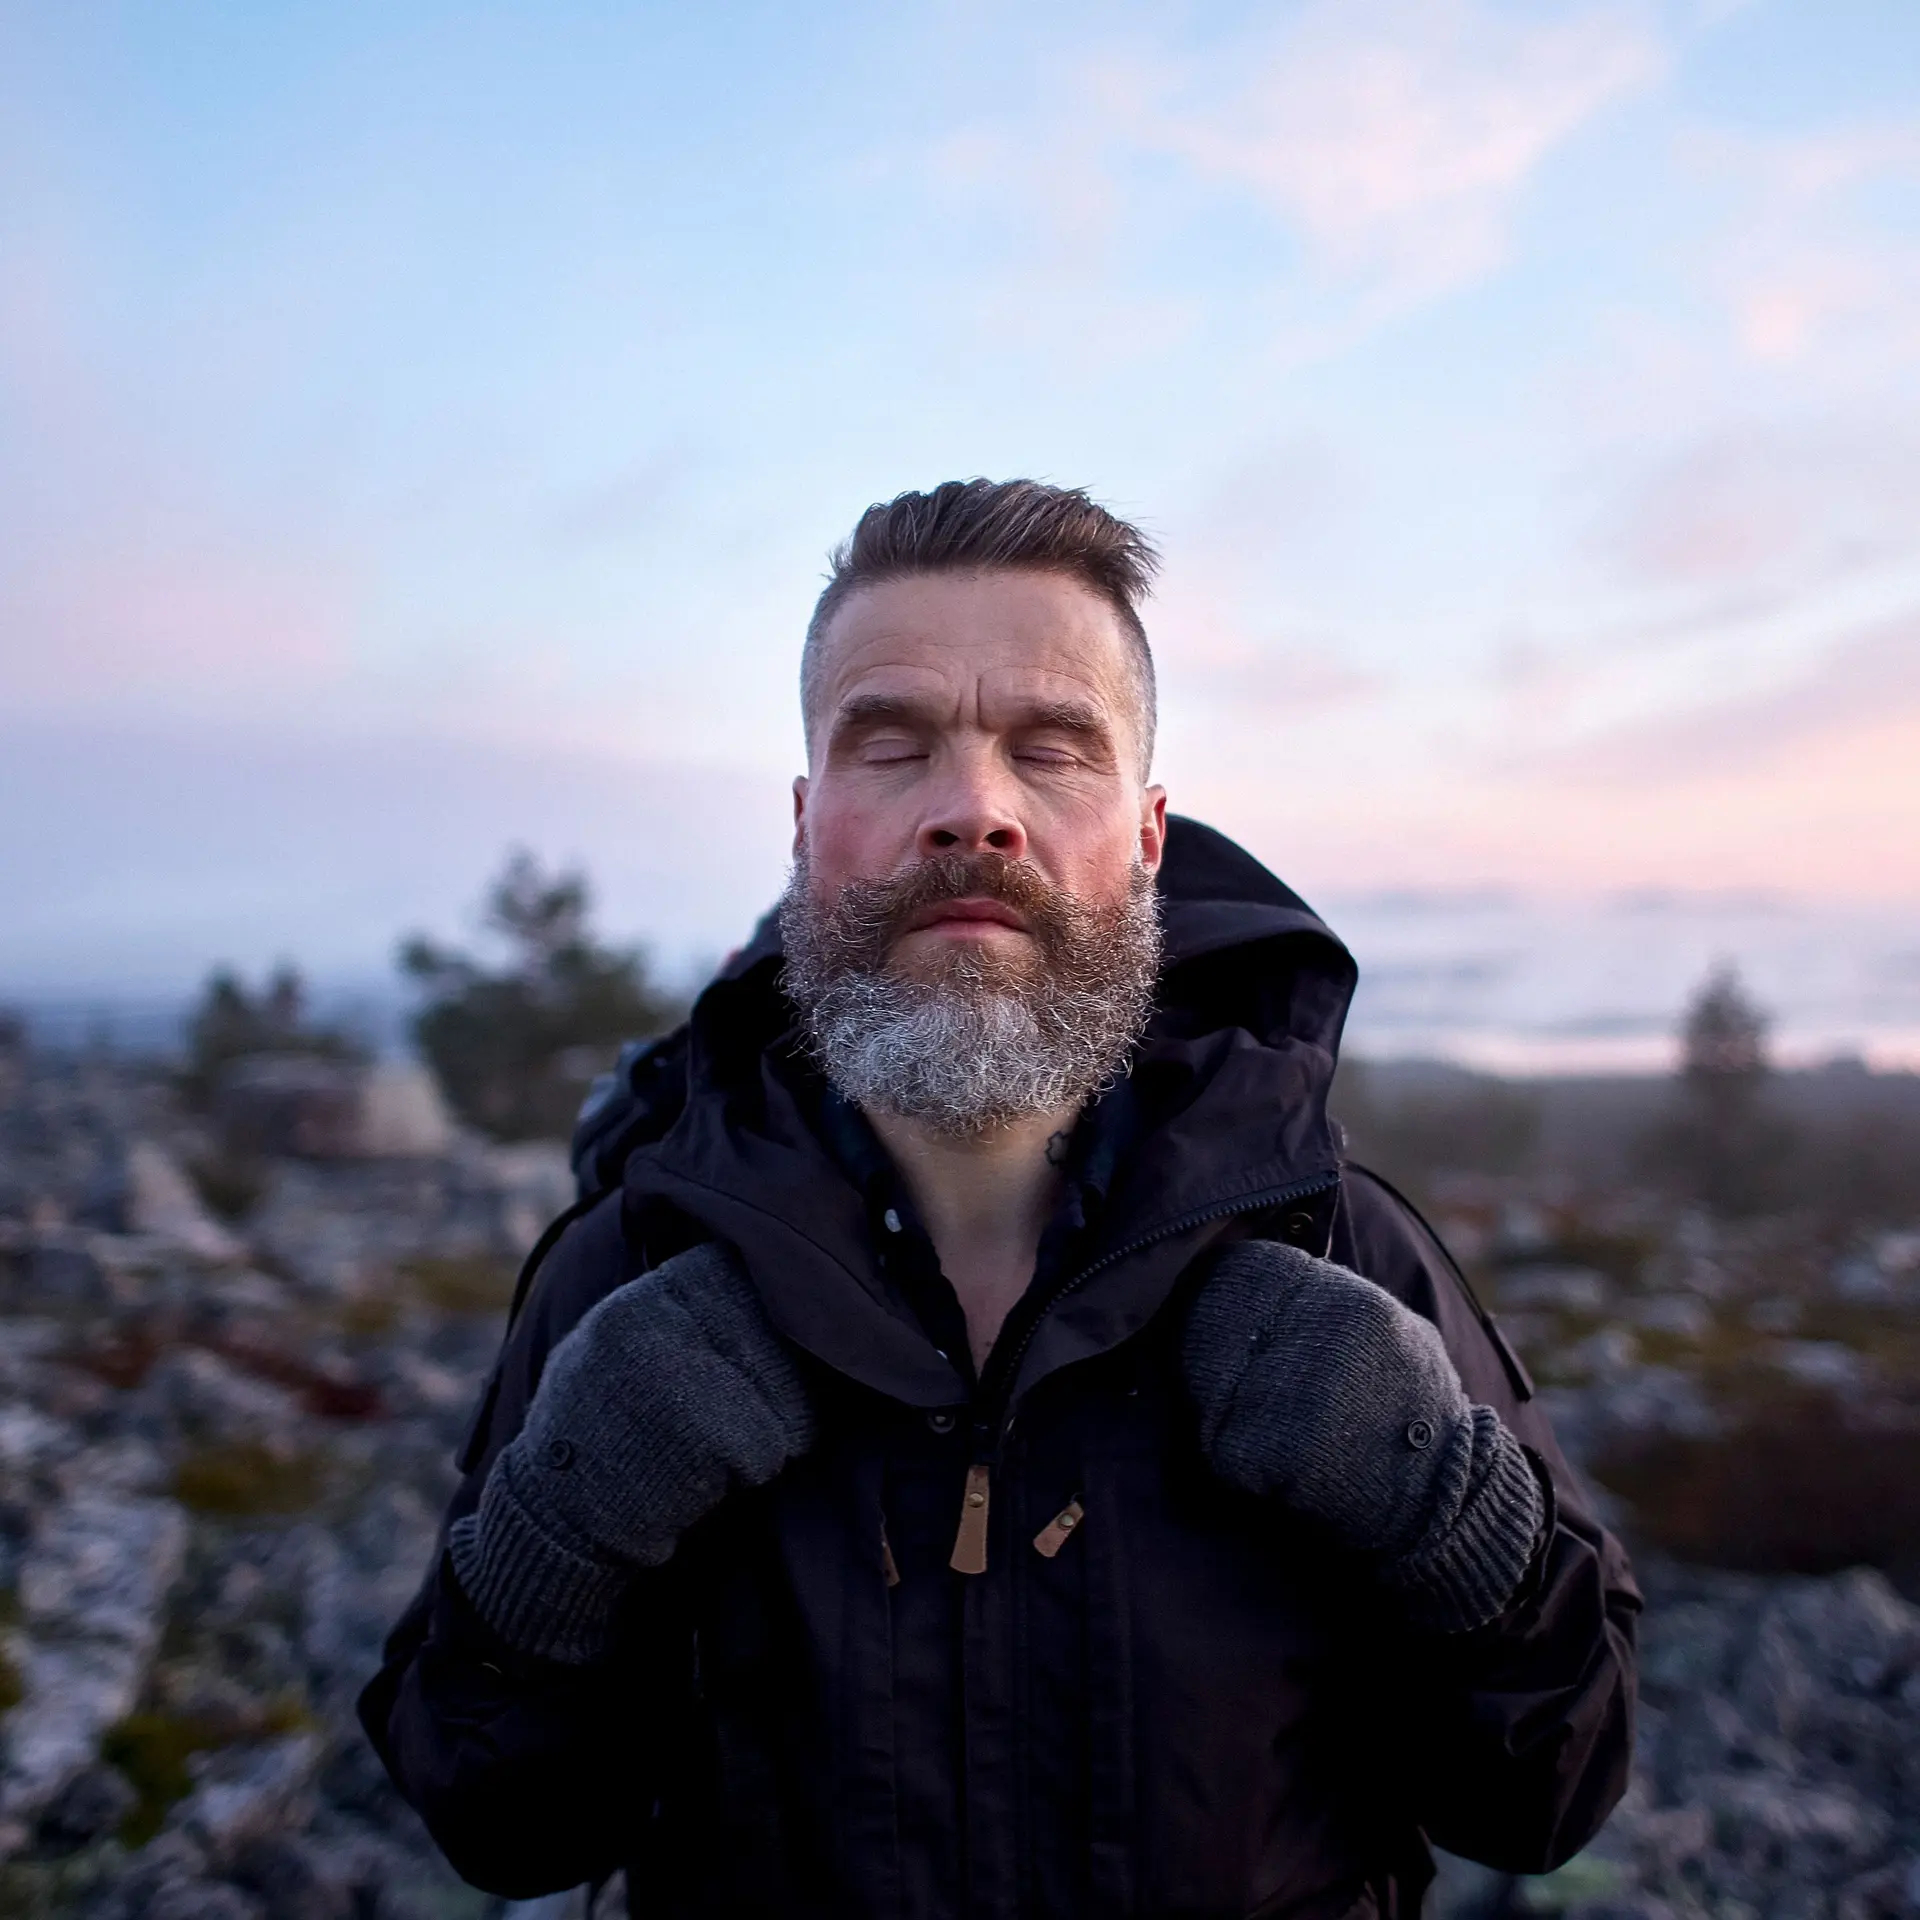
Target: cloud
(1865,685)
(1392,140)
(1293,679)
(1396,138)
(1759,506)
(1809,258)
(112,615)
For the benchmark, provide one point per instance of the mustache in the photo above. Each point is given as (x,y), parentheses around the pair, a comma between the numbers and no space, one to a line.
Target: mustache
(874,913)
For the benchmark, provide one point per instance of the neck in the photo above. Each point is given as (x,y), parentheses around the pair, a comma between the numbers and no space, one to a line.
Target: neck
(985,1202)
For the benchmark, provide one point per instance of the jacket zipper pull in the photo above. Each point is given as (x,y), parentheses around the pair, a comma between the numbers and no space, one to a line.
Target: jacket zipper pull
(1059,1530)
(970,1542)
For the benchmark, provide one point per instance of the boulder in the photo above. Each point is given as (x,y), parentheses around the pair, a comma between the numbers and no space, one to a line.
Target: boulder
(402,1116)
(161,1201)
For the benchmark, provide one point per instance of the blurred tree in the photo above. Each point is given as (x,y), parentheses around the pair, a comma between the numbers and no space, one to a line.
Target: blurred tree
(515,1049)
(230,1024)
(1720,1142)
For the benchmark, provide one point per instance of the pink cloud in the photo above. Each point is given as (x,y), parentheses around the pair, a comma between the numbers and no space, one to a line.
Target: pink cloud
(124,618)
(1397,137)
(1805,261)
(1297,679)
(1393,138)
(1864,687)
(1766,505)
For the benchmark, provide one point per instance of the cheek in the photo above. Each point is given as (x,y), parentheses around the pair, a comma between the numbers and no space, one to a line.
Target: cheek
(850,841)
(1091,849)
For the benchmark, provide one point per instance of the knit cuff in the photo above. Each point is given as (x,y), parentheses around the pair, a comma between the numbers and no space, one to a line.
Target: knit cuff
(1466,1575)
(541,1593)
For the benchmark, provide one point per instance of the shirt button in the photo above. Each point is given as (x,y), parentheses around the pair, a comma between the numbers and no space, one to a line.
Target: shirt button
(1420,1434)
(941,1422)
(560,1455)
(890,1220)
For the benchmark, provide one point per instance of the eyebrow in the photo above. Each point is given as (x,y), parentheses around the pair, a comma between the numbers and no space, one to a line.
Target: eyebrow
(876,709)
(1069,716)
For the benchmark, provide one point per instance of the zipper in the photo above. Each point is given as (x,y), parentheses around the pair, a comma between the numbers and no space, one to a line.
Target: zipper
(1003,1363)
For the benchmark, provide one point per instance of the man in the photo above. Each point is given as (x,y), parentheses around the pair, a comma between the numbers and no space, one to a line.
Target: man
(988,1457)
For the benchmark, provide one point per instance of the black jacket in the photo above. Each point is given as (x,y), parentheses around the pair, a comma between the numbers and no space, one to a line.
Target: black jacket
(1194,1706)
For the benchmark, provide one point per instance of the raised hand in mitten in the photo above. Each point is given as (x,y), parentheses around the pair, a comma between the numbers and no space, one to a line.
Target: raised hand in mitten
(671,1393)
(1320,1389)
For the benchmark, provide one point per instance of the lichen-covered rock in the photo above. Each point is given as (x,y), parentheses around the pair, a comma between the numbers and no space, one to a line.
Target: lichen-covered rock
(1778,1772)
(91,1593)
(249,1792)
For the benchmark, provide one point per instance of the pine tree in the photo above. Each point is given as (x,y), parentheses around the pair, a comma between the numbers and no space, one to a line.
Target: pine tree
(515,1047)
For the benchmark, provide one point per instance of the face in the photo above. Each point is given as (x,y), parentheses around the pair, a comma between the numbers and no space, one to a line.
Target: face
(976,714)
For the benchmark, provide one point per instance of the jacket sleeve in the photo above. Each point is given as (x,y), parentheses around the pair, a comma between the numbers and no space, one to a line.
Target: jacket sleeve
(532,1777)
(1522,1732)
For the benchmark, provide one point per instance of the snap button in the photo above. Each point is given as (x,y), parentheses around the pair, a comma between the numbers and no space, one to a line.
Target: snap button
(1298,1227)
(890,1220)
(1420,1434)
(941,1422)
(560,1455)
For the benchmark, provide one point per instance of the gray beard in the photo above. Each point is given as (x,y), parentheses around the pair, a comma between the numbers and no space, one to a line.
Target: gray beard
(976,1044)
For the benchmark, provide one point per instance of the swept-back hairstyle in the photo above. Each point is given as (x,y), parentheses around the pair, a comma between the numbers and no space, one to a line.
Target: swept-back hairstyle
(963,526)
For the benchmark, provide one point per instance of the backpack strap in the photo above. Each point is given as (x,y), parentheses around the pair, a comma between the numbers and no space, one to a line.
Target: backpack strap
(628,1108)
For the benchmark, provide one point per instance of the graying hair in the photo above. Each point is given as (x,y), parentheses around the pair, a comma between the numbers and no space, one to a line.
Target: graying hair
(966,526)
(979,1044)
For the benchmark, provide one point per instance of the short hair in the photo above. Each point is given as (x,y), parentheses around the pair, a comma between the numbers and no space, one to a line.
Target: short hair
(965,526)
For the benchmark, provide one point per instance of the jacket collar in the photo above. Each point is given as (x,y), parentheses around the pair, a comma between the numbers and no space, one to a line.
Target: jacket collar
(1228,1090)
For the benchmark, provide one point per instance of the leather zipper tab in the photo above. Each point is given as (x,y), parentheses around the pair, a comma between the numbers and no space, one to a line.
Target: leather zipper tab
(970,1542)
(889,1566)
(1059,1530)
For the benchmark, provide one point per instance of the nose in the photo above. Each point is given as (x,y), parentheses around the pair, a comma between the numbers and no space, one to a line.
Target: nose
(975,809)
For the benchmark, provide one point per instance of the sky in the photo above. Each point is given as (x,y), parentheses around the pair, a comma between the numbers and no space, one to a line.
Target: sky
(422,428)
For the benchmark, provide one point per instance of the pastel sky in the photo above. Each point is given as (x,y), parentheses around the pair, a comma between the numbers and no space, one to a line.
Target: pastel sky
(422,426)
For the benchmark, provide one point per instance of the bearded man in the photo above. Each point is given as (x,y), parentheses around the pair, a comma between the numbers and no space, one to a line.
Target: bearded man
(988,1456)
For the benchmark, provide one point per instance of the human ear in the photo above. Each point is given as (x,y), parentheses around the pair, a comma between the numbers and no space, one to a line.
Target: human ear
(1153,828)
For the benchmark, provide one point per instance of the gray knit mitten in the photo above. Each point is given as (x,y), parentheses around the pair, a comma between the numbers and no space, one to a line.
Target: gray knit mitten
(1319,1388)
(670,1393)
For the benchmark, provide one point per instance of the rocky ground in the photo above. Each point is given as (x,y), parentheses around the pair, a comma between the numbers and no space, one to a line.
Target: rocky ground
(224,1447)
(222,1458)
(1756,1389)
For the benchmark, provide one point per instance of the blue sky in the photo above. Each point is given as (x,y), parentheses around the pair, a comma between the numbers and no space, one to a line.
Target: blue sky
(421,428)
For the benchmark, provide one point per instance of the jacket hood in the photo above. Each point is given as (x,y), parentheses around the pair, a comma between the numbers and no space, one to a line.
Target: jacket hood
(1230,1083)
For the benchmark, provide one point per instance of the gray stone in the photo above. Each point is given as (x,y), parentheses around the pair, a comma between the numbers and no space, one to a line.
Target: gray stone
(1823,1363)
(1562,1289)
(161,1201)
(88,1808)
(92,1587)
(249,1792)
(207,1397)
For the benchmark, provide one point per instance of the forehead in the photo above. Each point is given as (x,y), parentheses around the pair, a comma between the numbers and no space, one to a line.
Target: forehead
(1002,627)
